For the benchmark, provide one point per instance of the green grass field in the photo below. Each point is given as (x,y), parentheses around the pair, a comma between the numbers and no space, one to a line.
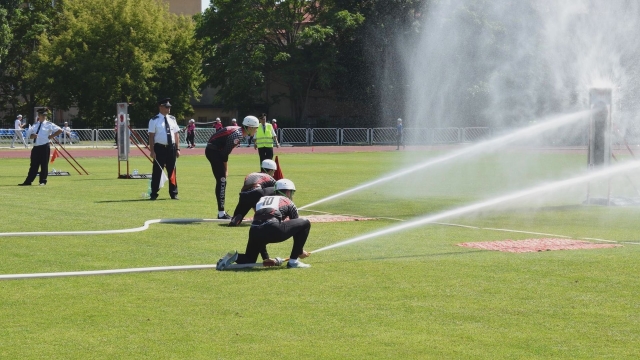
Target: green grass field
(406,295)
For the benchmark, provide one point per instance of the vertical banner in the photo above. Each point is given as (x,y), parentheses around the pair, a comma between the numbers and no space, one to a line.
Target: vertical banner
(122,131)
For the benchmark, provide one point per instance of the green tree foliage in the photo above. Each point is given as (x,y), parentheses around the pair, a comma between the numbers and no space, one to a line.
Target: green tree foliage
(114,51)
(296,42)
(27,24)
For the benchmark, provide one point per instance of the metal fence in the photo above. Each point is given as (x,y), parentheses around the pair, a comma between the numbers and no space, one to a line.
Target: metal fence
(575,136)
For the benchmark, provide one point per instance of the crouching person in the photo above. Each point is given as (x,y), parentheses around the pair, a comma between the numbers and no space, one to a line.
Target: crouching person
(276,220)
(256,186)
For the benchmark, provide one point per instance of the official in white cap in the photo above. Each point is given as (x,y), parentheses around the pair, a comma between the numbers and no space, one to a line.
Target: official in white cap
(42,132)
(164,141)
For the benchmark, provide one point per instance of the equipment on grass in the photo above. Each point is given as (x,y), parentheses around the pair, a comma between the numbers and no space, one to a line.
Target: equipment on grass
(266,263)
(68,157)
(58,173)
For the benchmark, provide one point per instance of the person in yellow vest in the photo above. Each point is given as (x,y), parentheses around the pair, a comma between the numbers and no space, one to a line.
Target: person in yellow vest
(264,139)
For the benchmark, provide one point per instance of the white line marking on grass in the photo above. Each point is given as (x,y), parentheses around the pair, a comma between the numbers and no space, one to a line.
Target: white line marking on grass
(120,231)
(104,272)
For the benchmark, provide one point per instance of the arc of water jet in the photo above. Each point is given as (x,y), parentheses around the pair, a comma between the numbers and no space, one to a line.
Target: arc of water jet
(490,144)
(487,203)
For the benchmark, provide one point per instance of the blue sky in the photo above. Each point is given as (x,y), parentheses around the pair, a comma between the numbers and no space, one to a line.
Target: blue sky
(205,4)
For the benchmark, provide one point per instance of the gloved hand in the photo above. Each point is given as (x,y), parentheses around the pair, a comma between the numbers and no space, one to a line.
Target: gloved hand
(272,262)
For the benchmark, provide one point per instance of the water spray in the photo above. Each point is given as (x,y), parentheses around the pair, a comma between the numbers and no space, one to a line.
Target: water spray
(493,144)
(487,203)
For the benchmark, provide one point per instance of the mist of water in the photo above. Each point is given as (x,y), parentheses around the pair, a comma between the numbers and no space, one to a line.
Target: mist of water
(537,190)
(503,62)
(474,150)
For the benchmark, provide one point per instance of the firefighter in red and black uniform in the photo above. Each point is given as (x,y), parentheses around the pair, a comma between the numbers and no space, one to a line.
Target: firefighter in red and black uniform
(256,185)
(218,149)
(276,220)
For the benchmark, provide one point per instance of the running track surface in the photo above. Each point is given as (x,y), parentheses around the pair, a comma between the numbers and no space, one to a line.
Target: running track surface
(81,152)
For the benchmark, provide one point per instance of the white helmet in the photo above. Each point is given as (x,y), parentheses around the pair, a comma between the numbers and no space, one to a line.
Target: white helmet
(251,121)
(233,120)
(285,184)
(191,121)
(399,120)
(274,120)
(269,165)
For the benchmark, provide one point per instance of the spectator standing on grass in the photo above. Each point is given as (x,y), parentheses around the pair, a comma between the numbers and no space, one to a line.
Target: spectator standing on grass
(17,132)
(276,220)
(399,135)
(191,134)
(164,142)
(218,149)
(42,132)
(264,139)
(66,133)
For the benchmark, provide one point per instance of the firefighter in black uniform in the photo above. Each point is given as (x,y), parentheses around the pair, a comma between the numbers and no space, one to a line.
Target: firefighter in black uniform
(270,225)
(164,142)
(218,149)
(42,132)
(256,185)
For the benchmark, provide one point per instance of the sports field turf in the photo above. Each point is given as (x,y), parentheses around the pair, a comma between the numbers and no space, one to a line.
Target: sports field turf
(412,294)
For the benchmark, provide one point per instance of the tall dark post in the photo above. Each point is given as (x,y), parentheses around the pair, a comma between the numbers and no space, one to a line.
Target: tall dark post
(600,127)
(599,149)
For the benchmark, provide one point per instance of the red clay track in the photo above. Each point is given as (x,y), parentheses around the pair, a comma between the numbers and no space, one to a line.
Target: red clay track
(111,152)
(79,152)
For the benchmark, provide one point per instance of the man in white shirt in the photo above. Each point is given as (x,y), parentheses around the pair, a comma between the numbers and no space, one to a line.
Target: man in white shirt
(18,132)
(164,142)
(42,132)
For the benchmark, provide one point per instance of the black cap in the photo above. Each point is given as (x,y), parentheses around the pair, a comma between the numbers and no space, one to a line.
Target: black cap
(43,110)
(165,102)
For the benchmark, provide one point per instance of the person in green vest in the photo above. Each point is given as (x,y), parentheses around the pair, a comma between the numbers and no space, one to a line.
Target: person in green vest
(264,139)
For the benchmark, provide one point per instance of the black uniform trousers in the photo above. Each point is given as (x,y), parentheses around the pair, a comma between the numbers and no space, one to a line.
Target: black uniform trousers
(247,201)
(39,159)
(165,158)
(265,153)
(217,167)
(191,137)
(274,231)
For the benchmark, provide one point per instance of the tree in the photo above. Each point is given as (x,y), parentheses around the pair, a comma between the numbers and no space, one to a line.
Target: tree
(107,52)
(293,41)
(373,66)
(26,25)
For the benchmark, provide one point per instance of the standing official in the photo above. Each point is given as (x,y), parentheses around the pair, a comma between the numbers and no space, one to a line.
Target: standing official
(42,132)
(264,139)
(18,132)
(218,149)
(164,138)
